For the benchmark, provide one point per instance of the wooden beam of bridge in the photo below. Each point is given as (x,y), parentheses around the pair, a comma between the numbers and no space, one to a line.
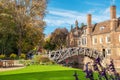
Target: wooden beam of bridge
(61,55)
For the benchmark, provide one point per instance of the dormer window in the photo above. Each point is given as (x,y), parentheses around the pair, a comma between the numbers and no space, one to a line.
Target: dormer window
(102,28)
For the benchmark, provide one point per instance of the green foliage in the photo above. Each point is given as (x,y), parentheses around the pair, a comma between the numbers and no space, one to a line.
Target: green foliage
(44,59)
(13,56)
(41,59)
(59,37)
(18,27)
(42,72)
(22,56)
(82,24)
(48,45)
(25,62)
(2,56)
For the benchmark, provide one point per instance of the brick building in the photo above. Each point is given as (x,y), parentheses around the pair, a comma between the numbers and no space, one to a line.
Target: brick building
(103,36)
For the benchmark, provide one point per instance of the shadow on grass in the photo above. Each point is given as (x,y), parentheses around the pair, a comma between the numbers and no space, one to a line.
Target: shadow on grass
(48,75)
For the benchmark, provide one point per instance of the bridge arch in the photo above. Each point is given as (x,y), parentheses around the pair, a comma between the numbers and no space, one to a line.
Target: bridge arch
(82,52)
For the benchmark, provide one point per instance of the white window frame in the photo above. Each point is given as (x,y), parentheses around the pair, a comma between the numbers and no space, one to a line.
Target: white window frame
(101,40)
(94,40)
(79,42)
(108,51)
(84,41)
(107,39)
(102,28)
(119,37)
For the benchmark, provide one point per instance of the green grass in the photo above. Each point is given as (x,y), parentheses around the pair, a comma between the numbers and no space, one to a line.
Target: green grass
(42,72)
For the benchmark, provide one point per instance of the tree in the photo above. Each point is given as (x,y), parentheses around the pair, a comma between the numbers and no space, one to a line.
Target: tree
(82,24)
(27,16)
(48,45)
(59,37)
(6,30)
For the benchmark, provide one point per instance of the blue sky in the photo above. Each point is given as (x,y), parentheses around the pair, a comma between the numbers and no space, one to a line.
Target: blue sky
(63,13)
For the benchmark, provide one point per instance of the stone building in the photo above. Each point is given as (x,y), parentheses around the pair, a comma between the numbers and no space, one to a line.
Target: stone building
(73,36)
(103,36)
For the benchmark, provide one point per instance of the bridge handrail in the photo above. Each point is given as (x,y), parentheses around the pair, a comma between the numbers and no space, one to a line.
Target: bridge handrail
(62,54)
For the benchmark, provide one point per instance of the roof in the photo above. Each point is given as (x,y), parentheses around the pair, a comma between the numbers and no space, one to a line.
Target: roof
(118,25)
(96,28)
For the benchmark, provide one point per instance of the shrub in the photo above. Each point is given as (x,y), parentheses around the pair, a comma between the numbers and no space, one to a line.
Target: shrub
(44,59)
(41,59)
(22,56)
(25,62)
(13,56)
(2,56)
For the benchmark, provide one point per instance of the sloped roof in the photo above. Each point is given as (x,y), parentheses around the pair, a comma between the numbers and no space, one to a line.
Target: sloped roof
(96,27)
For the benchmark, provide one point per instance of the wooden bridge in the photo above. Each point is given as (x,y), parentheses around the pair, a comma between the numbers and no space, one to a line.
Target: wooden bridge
(62,54)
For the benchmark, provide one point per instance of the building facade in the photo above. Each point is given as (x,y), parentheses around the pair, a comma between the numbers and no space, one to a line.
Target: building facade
(103,36)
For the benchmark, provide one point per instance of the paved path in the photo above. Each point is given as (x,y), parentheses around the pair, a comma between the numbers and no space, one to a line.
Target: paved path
(8,69)
(18,66)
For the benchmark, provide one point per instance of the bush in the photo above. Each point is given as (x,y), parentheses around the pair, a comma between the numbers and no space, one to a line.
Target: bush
(13,56)
(2,56)
(22,56)
(44,59)
(41,59)
(26,62)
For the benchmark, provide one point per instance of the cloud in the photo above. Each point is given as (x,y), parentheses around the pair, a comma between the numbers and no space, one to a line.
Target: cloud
(65,18)
(61,17)
(94,4)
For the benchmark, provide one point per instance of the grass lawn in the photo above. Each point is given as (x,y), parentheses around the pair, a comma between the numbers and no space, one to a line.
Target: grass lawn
(42,72)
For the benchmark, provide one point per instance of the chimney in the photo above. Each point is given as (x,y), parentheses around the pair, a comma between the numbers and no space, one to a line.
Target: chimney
(89,23)
(113,17)
(89,20)
(113,12)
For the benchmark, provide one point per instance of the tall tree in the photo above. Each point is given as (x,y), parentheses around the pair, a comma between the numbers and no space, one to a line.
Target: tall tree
(59,37)
(6,30)
(28,19)
(48,45)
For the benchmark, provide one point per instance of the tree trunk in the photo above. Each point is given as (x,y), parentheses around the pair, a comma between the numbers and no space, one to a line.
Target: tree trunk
(19,40)
(19,51)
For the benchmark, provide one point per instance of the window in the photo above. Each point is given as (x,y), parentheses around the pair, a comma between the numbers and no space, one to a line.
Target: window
(108,51)
(108,39)
(84,41)
(79,42)
(102,28)
(119,37)
(94,40)
(84,31)
(101,40)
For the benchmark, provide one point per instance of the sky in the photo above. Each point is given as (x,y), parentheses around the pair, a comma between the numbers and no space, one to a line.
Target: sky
(63,13)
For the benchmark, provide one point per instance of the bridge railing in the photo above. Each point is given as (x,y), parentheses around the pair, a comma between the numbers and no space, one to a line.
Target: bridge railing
(63,54)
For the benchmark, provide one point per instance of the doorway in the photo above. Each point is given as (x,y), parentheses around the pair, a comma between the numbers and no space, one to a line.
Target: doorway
(103,51)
